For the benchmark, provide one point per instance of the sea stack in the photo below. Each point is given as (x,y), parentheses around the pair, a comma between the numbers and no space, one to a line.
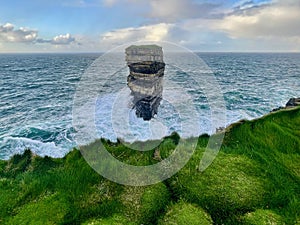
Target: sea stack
(146,67)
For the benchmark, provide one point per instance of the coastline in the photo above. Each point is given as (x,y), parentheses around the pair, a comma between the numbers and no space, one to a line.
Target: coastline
(255,177)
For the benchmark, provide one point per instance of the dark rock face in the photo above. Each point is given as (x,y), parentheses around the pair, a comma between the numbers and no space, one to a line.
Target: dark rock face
(277,109)
(147,95)
(147,67)
(145,79)
(293,102)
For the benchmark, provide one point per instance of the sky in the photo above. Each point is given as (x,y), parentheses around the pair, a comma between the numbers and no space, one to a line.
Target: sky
(100,25)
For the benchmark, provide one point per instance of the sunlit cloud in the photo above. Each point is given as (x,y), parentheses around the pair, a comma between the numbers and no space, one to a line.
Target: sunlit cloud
(157,32)
(63,39)
(8,33)
(280,19)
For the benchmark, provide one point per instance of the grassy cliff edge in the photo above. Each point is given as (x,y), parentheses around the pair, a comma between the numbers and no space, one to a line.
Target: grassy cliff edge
(255,179)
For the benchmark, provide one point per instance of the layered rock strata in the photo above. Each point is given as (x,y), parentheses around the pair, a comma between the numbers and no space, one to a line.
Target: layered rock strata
(146,78)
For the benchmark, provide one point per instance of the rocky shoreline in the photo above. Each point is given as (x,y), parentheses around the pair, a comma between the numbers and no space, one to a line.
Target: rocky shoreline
(292,103)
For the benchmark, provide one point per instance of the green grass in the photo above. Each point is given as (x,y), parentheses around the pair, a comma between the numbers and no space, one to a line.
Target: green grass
(263,217)
(183,213)
(48,210)
(116,219)
(255,179)
(228,188)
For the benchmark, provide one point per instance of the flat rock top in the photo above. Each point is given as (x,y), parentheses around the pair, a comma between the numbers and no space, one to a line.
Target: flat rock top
(144,48)
(143,53)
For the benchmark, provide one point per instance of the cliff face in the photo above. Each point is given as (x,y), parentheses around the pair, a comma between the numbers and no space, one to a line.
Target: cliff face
(146,78)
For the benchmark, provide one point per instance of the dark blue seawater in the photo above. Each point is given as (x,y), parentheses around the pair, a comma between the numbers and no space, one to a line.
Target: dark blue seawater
(36,101)
(37,93)
(253,84)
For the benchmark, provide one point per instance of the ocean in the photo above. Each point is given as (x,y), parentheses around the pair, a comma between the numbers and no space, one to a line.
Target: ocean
(37,93)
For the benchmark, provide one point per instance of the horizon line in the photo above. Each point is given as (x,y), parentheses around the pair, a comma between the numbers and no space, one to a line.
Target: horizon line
(195,51)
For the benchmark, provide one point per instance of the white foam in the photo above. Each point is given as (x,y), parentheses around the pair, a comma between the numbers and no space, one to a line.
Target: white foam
(19,144)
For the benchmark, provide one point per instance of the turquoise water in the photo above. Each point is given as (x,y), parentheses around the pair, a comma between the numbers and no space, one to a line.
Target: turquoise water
(37,95)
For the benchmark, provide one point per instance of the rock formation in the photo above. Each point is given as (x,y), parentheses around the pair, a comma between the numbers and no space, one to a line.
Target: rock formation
(144,53)
(145,79)
(293,102)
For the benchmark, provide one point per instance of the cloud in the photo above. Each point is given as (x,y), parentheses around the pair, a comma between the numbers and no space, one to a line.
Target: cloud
(175,10)
(58,40)
(250,25)
(279,20)
(244,5)
(8,33)
(63,39)
(157,32)
(197,24)
(170,10)
(190,35)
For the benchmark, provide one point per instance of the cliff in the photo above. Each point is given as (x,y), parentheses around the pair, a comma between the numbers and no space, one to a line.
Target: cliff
(255,179)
